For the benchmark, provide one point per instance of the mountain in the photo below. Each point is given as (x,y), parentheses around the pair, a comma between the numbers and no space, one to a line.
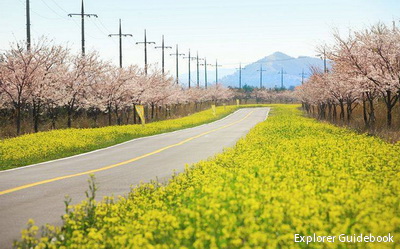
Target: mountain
(273,64)
(222,72)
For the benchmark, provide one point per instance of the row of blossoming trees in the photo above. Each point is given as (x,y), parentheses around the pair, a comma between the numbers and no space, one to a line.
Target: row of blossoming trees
(49,80)
(365,70)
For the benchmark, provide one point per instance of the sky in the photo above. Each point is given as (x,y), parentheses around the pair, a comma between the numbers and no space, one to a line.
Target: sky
(231,31)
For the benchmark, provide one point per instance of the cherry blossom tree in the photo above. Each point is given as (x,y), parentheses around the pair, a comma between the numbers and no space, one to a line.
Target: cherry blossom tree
(373,55)
(25,75)
(46,88)
(365,66)
(77,79)
(217,93)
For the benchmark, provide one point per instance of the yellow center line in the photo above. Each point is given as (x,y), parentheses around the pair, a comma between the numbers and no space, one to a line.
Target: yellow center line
(121,163)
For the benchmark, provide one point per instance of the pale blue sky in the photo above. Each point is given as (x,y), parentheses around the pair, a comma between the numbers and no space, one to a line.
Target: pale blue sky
(229,30)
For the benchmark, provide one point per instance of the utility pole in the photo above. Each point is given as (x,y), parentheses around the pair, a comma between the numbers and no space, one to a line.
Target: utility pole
(302,76)
(83,15)
(261,74)
(28,25)
(145,42)
(189,59)
(282,73)
(323,56)
(163,47)
(177,54)
(216,71)
(205,71)
(120,41)
(240,75)
(325,69)
(198,69)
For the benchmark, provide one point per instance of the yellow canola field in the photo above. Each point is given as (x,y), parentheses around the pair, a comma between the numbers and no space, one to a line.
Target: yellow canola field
(290,175)
(44,146)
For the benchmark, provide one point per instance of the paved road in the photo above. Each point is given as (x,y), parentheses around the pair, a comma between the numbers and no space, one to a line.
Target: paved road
(38,191)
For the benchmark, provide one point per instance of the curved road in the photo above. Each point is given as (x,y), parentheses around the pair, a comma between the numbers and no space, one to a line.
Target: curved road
(38,191)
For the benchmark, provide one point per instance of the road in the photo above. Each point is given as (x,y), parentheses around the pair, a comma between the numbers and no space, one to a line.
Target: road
(38,191)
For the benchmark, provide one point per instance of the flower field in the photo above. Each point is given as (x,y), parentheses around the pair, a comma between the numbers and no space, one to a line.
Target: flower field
(44,146)
(290,175)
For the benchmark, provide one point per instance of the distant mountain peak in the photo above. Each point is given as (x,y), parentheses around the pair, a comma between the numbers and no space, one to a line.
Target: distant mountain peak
(275,56)
(279,54)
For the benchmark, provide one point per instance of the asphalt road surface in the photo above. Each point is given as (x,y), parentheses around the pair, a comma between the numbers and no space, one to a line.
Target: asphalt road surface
(38,191)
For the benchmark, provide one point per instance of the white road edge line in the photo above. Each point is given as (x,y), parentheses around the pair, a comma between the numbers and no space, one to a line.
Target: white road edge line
(266,116)
(112,146)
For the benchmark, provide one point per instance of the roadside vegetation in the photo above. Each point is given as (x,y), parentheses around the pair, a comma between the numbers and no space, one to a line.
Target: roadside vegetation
(361,89)
(45,146)
(291,174)
(357,123)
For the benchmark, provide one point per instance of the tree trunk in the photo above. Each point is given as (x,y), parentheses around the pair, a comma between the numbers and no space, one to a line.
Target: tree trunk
(371,111)
(341,110)
(159,110)
(322,110)
(109,109)
(127,114)
(117,114)
(69,121)
(390,102)
(53,122)
(365,116)
(329,110)
(53,117)
(36,114)
(389,116)
(134,114)
(349,111)
(146,112)
(95,117)
(18,118)
(152,111)
(334,116)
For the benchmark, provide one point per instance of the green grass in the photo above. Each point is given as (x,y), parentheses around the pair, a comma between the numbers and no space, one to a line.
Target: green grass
(44,146)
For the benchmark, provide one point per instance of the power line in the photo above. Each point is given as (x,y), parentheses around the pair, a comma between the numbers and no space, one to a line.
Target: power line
(62,17)
(99,29)
(101,23)
(59,6)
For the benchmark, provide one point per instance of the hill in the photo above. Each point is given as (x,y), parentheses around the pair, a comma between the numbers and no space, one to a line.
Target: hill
(273,64)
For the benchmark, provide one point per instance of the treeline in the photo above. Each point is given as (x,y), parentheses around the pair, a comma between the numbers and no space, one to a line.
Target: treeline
(49,81)
(265,95)
(365,71)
